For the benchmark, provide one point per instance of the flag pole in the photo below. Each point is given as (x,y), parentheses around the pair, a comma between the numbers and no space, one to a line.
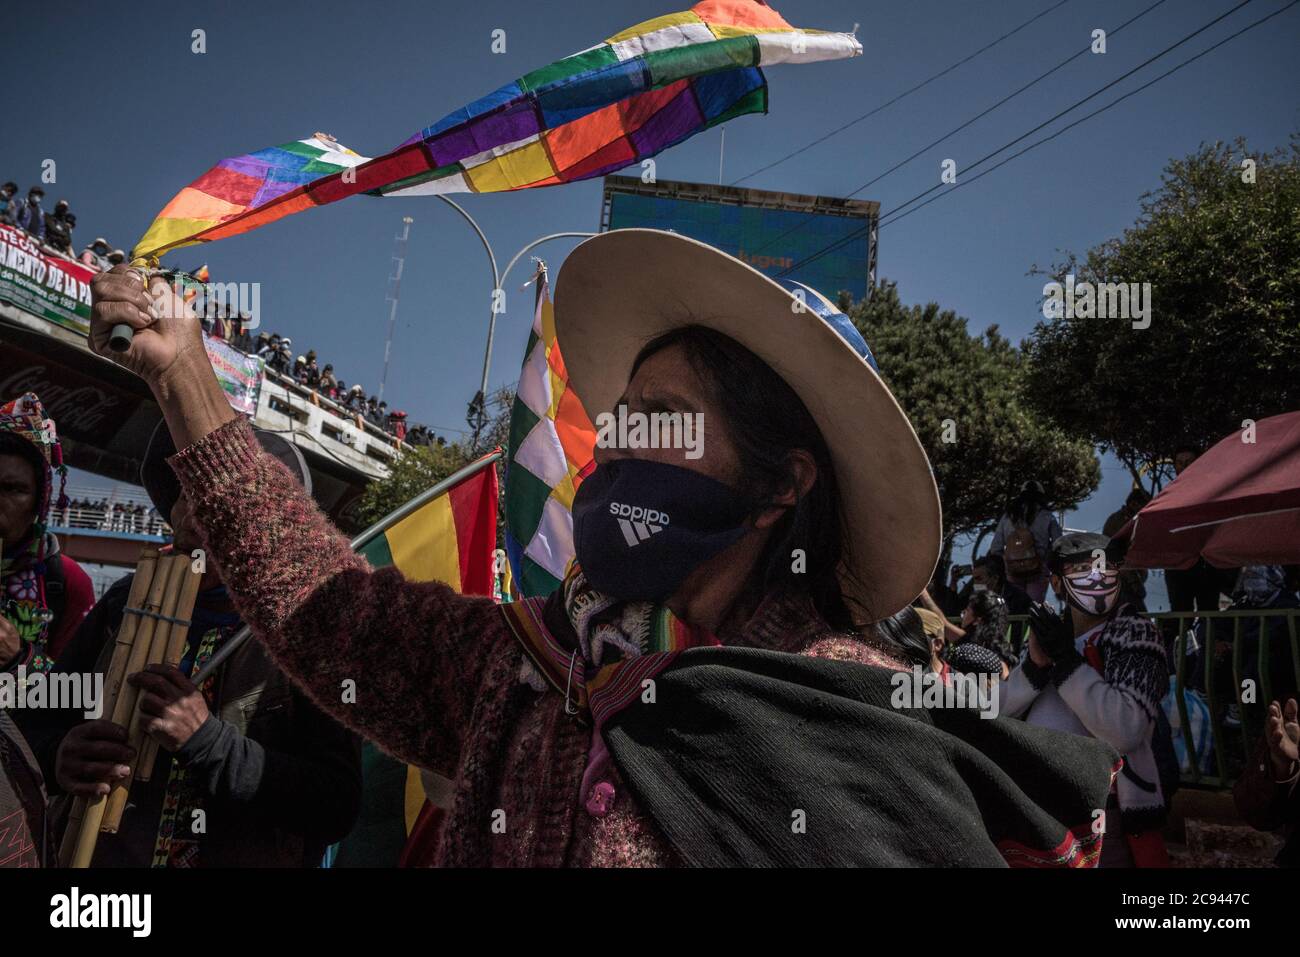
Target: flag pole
(415,504)
(358,543)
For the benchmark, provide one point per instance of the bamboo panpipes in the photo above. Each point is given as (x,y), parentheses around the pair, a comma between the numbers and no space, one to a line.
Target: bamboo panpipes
(83,825)
(164,589)
(149,650)
(177,633)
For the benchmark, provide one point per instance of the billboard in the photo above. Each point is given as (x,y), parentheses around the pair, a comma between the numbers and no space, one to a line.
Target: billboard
(824,242)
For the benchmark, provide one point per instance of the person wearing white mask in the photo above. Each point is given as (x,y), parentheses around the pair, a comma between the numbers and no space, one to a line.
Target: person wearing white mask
(1099,670)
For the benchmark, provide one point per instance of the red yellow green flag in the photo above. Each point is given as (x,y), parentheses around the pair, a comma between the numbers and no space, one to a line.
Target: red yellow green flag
(451,539)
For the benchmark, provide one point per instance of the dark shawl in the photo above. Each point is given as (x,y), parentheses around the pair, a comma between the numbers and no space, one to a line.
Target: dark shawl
(739,739)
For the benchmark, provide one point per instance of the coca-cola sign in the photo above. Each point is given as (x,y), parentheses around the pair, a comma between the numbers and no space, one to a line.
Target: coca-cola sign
(82,407)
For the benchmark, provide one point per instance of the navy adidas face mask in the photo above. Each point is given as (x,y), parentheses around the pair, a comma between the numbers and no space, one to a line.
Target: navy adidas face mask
(641,527)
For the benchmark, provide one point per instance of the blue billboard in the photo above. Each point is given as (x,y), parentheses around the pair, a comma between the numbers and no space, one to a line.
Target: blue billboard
(824,243)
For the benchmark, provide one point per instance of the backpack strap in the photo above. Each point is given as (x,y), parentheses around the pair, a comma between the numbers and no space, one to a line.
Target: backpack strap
(56,585)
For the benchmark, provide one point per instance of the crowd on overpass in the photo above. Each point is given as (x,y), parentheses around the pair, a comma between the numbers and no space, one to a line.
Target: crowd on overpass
(320,379)
(53,231)
(111,516)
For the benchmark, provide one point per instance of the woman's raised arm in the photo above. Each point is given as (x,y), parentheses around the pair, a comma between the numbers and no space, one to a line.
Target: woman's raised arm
(398,661)
(401,662)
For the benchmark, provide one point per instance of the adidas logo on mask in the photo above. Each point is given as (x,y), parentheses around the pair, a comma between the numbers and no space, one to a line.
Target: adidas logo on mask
(637,522)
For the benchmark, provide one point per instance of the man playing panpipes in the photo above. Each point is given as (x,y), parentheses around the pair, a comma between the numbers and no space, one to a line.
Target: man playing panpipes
(250,773)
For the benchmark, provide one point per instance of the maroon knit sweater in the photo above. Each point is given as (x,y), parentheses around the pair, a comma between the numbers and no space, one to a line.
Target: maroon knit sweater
(439,678)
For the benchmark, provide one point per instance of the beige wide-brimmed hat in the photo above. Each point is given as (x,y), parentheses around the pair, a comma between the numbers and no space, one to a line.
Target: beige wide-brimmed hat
(620,289)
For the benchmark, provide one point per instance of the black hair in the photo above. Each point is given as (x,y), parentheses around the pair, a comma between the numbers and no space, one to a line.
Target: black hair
(767,421)
(983,603)
(1025,505)
(905,632)
(1137,495)
(11,444)
(992,564)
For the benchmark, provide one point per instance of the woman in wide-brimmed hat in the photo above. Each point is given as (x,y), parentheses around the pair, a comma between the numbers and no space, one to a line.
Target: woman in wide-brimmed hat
(703,688)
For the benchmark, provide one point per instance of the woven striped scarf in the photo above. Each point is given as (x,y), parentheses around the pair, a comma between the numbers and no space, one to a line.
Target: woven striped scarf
(613,648)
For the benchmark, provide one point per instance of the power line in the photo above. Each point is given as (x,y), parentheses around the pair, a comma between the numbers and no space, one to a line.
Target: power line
(1095,93)
(888,103)
(813,257)
(1005,99)
(1102,109)
(1010,96)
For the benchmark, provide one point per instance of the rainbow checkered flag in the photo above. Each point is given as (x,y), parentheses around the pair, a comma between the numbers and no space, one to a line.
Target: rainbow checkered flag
(550,452)
(610,106)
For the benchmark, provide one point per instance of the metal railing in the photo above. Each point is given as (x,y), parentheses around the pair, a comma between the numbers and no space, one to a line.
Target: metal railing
(110,519)
(315,426)
(337,409)
(99,497)
(1263,655)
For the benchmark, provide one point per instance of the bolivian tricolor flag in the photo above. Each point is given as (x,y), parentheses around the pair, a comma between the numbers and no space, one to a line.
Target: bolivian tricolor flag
(450,539)
(447,535)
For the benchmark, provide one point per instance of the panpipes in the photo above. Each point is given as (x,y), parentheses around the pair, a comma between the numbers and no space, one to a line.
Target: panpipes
(154,629)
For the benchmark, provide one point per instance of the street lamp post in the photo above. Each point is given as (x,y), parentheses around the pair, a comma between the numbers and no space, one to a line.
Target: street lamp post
(476,417)
(400,259)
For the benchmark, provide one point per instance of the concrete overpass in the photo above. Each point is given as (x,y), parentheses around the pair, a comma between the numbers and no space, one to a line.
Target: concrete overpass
(98,547)
(105,416)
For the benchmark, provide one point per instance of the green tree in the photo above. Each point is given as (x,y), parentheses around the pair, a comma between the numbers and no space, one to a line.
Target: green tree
(961,393)
(497,433)
(415,471)
(1222,255)
(420,468)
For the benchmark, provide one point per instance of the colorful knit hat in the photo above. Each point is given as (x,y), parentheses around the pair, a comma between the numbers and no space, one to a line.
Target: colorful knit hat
(25,418)
(22,589)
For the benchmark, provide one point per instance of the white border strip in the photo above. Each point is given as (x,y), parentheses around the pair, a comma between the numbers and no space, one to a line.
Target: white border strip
(1223,521)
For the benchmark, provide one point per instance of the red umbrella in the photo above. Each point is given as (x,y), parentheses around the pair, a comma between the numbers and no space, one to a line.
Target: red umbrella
(1238,504)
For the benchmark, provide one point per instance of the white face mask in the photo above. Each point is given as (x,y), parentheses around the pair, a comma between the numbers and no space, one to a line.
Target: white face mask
(1094,592)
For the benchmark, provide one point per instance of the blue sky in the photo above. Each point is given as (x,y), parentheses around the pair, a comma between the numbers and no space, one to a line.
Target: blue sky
(114,95)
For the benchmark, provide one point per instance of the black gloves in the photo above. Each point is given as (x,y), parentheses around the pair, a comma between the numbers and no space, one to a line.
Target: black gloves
(1055,636)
